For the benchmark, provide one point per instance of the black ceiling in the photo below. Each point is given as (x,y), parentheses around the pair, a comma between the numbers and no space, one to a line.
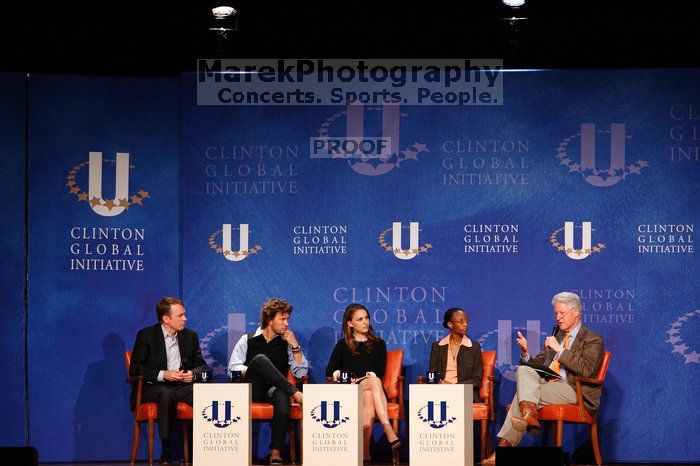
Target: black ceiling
(151,37)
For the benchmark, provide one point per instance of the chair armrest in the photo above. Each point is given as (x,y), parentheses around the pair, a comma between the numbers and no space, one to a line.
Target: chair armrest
(579,392)
(329,379)
(138,381)
(587,380)
(420,379)
(304,379)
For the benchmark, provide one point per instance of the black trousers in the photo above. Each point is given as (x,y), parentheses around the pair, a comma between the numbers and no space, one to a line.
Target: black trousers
(264,376)
(167,396)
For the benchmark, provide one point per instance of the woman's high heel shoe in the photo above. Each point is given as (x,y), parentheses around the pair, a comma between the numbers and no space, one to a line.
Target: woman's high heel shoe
(395,445)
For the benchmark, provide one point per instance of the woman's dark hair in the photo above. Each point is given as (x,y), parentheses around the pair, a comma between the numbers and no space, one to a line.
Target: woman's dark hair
(449,313)
(372,338)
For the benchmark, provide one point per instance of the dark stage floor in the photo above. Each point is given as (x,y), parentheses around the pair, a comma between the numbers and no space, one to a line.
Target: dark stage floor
(126,463)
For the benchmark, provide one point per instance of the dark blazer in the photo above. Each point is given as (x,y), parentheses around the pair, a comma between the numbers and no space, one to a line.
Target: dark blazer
(582,359)
(469,364)
(148,357)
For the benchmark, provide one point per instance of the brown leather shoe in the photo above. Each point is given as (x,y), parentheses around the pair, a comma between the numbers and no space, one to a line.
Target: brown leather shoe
(528,419)
(491,460)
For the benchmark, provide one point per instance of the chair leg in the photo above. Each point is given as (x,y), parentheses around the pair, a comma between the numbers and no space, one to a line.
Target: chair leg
(489,447)
(151,428)
(483,429)
(559,434)
(135,442)
(301,441)
(594,441)
(186,442)
(395,453)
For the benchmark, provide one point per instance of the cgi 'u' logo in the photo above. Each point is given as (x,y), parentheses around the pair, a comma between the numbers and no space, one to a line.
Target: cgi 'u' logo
(328,414)
(585,251)
(229,253)
(121,200)
(390,156)
(396,247)
(220,414)
(586,241)
(600,177)
(435,414)
(412,250)
(236,255)
(507,350)
(121,185)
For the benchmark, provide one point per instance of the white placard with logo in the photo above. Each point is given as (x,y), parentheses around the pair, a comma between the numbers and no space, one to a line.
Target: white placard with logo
(332,425)
(440,425)
(221,424)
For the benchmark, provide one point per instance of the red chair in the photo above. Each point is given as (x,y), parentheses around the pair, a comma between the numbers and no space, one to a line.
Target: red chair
(577,413)
(264,412)
(393,386)
(483,411)
(148,412)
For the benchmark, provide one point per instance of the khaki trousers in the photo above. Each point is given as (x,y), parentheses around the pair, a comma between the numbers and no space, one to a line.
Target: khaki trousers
(531,387)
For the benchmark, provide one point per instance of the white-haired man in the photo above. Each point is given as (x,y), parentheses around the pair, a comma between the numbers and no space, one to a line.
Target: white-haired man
(573,350)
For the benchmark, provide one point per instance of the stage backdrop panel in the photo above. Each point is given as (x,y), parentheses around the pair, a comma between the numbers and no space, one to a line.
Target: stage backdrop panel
(12,244)
(104,158)
(491,192)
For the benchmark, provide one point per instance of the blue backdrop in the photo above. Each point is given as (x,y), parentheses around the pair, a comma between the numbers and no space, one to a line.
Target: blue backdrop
(94,279)
(490,188)
(12,128)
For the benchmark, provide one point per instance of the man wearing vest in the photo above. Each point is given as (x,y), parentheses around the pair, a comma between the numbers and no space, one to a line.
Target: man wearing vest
(572,350)
(264,358)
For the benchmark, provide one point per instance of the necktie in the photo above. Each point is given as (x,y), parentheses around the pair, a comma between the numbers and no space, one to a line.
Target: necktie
(555,365)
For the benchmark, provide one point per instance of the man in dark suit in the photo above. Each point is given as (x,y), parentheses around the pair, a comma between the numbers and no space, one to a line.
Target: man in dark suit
(168,357)
(573,350)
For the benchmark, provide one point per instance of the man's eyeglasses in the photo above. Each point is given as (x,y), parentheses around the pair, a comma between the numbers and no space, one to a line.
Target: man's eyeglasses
(562,314)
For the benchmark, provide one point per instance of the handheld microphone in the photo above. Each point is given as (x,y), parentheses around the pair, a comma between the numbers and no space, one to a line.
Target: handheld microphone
(183,364)
(553,334)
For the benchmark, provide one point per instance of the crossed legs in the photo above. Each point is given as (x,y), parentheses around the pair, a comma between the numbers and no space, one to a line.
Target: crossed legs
(374,405)
(264,376)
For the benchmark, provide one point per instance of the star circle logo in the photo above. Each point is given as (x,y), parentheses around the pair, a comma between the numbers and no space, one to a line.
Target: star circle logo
(617,138)
(386,160)
(435,414)
(226,249)
(587,248)
(396,246)
(676,338)
(328,414)
(220,414)
(121,201)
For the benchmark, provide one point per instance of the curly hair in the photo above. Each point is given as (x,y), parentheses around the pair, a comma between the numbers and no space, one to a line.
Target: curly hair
(271,308)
